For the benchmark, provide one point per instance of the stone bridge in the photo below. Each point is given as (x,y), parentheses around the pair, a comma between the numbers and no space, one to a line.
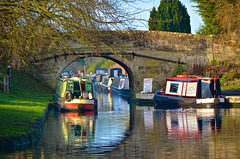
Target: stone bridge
(143,54)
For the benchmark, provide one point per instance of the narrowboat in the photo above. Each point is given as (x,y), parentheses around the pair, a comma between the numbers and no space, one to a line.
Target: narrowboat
(190,91)
(107,80)
(75,93)
(106,83)
(120,85)
(100,72)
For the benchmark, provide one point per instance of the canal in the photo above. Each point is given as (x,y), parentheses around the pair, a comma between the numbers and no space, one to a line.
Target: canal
(125,130)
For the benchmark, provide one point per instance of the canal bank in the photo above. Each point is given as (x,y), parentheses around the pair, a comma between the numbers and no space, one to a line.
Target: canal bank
(23,111)
(25,140)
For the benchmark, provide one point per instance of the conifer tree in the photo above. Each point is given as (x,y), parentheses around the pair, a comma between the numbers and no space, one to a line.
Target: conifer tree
(152,20)
(171,16)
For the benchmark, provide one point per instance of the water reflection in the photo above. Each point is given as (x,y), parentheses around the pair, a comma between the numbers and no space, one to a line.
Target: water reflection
(185,124)
(120,132)
(77,129)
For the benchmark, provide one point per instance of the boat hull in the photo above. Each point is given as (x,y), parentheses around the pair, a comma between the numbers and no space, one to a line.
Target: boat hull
(122,92)
(105,88)
(75,104)
(171,102)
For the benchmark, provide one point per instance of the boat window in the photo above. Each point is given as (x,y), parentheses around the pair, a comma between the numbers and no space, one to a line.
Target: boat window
(192,89)
(174,87)
(83,83)
(206,92)
(76,86)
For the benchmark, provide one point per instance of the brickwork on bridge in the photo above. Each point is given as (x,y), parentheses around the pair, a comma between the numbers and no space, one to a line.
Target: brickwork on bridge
(147,54)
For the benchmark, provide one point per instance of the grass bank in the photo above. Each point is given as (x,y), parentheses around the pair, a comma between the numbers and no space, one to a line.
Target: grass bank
(24,106)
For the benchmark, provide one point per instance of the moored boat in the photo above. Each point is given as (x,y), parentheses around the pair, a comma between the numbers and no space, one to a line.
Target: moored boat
(100,72)
(75,93)
(107,80)
(190,91)
(106,83)
(120,85)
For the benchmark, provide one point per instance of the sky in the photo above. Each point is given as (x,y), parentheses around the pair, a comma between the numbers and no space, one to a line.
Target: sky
(147,5)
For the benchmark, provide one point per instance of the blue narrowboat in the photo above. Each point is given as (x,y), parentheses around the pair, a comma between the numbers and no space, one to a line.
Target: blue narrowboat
(120,86)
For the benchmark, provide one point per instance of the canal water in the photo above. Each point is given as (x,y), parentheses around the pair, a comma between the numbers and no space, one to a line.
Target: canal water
(123,130)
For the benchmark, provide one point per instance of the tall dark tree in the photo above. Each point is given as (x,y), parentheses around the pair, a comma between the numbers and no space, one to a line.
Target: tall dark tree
(171,16)
(152,23)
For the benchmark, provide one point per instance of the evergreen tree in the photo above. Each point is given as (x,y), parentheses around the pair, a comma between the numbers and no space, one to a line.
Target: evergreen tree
(171,16)
(152,23)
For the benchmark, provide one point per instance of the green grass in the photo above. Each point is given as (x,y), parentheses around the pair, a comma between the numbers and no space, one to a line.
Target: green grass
(225,88)
(23,106)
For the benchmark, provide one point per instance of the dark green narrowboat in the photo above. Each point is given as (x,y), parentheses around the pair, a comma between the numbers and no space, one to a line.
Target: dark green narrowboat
(75,93)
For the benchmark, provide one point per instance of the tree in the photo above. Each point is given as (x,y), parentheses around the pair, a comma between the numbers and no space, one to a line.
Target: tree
(171,16)
(35,28)
(152,23)
(219,16)
(206,11)
(227,14)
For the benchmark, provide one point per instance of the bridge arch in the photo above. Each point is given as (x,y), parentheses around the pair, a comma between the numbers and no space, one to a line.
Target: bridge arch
(144,54)
(127,69)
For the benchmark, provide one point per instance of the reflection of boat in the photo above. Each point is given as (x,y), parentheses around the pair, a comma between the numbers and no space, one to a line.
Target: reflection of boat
(190,123)
(120,85)
(74,93)
(98,133)
(186,90)
(185,124)
(78,128)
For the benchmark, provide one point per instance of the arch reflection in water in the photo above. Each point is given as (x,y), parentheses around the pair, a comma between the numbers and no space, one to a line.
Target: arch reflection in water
(185,124)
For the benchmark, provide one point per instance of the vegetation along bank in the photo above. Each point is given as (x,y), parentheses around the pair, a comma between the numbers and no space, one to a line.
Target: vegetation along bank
(23,110)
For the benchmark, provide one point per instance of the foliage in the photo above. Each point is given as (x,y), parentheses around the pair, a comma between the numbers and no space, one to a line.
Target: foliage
(171,16)
(101,63)
(107,64)
(231,87)
(178,71)
(92,68)
(34,29)
(206,11)
(25,104)
(228,73)
(219,16)
(152,23)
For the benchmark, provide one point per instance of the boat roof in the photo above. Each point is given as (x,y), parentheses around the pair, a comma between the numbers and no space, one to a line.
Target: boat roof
(190,78)
(74,78)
